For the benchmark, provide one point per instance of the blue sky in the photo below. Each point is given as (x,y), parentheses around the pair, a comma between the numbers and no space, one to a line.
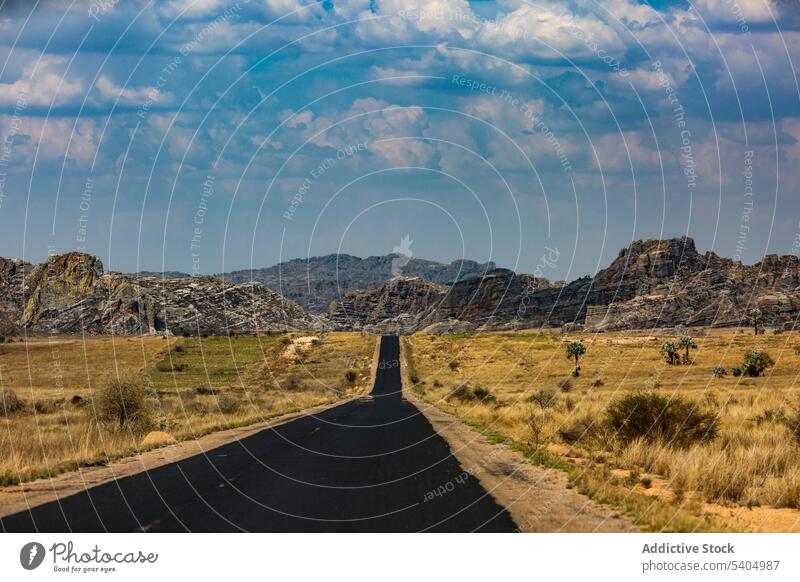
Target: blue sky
(206,136)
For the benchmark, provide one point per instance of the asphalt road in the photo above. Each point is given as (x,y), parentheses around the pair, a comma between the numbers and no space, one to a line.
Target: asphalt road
(371,465)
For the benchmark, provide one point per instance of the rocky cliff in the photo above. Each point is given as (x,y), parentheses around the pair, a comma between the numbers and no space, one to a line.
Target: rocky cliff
(651,283)
(72,293)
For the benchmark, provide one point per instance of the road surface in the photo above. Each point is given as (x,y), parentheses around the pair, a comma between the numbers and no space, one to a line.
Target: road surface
(370,465)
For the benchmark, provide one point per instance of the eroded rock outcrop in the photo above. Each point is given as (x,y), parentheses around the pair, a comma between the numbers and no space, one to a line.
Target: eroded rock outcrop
(72,293)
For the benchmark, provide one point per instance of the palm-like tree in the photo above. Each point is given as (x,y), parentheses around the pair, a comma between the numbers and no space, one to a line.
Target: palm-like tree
(670,353)
(574,351)
(755,319)
(687,343)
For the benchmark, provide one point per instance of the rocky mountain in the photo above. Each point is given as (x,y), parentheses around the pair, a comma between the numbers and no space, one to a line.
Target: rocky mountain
(317,282)
(397,306)
(72,293)
(651,284)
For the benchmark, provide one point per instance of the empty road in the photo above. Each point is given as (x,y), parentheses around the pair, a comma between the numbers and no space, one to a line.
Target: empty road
(369,465)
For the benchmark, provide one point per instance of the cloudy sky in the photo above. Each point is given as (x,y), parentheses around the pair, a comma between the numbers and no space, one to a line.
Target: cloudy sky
(204,135)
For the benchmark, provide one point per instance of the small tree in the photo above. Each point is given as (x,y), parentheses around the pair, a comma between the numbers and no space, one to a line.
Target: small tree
(755,362)
(574,351)
(669,351)
(687,343)
(755,319)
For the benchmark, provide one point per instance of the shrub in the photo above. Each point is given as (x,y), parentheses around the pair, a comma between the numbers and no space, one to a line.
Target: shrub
(736,371)
(43,407)
(414,377)
(646,482)
(293,383)
(124,401)
(653,417)
(180,348)
(597,383)
(350,377)
(483,395)
(465,393)
(535,425)
(10,403)
(186,334)
(167,366)
(453,365)
(2,339)
(581,432)
(719,372)
(545,398)
(437,383)
(565,385)
(755,362)
(461,392)
(228,404)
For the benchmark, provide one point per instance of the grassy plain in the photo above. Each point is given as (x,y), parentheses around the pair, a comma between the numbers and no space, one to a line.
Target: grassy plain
(194,386)
(519,385)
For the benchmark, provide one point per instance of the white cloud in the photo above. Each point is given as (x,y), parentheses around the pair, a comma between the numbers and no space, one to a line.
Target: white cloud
(130,95)
(41,85)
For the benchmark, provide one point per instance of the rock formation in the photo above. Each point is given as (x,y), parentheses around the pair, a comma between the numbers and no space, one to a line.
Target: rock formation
(651,284)
(72,293)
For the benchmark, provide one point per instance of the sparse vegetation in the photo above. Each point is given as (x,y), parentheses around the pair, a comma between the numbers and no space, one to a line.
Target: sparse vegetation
(719,372)
(754,460)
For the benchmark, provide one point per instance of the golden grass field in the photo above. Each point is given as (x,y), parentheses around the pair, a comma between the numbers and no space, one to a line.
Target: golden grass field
(748,478)
(194,386)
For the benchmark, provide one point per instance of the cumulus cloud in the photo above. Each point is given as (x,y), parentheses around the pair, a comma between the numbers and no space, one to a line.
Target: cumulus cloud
(42,83)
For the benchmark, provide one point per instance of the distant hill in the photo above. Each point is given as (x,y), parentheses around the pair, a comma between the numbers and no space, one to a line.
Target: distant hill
(317,282)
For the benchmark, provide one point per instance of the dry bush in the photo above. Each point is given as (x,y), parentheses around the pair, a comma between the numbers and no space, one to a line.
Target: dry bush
(167,366)
(124,401)
(586,432)
(229,404)
(545,398)
(350,377)
(466,393)
(10,403)
(653,417)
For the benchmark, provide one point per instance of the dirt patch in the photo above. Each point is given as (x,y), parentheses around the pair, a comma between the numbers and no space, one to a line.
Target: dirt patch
(299,346)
